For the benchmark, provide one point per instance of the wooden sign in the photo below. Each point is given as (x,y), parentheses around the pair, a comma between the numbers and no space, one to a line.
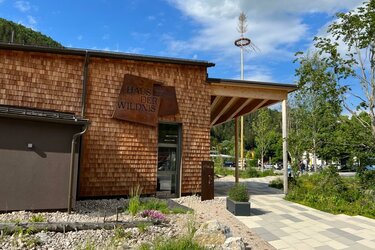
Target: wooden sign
(136,102)
(168,100)
(143,100)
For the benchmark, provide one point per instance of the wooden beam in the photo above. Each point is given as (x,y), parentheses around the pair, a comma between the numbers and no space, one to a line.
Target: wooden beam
(236,107)
(248,92)
(285,143)
(215,102)
(221,110)
(253,106)
(236,173)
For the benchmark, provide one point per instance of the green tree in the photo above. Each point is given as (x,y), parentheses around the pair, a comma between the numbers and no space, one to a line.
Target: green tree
(24,35)
(318,101)
(356,31)
(264,132)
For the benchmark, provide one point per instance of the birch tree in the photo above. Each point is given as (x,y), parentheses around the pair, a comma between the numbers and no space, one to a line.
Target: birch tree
(354,31)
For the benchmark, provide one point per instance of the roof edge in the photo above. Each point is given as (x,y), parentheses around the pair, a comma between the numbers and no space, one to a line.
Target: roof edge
(103,54)
(290,87)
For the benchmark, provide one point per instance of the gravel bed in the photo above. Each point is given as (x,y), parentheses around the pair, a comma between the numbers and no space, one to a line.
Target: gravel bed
(105,210)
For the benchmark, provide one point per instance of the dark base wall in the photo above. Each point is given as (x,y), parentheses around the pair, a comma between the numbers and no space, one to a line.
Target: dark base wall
(34,178)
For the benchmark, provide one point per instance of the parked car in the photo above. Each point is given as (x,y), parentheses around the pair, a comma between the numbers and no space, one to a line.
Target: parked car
(228,164)
(370,168)
(268,166)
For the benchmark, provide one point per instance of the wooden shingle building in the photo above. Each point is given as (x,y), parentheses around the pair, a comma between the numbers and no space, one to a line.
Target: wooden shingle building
(80,123)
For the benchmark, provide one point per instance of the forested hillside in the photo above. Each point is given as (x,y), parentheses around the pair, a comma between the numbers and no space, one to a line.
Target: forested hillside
(24,35)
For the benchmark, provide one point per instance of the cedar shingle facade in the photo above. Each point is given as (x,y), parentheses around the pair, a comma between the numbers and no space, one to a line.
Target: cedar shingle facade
(115,155)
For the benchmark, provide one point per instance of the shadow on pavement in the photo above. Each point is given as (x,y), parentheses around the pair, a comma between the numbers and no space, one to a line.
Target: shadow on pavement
(255,187)
(257,211)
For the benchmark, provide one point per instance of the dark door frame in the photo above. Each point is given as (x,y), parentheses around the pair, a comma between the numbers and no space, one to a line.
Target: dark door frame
(178,147)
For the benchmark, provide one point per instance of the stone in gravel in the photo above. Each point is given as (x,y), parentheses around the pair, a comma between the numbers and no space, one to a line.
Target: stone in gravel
(212,233)
(43,237)
(234,243)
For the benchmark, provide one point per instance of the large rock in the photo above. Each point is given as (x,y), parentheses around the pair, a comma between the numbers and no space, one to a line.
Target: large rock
(212,233)
(234,243)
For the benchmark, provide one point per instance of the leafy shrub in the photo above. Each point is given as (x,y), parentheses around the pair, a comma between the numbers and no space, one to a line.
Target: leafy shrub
(367,179)
(238,192)
(329,192)
(251,172)
(277,183)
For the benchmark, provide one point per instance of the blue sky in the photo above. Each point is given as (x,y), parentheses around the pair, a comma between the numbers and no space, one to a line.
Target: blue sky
(191,29)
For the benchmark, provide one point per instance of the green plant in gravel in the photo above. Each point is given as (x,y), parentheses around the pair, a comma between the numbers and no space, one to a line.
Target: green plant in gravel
(182,243)
(276,183)
(134,201)
(238,192)
(142,227)
(329,192)
(23,238)
(155,204)
(162,206)
(119,235)
(37,218)
(88,245)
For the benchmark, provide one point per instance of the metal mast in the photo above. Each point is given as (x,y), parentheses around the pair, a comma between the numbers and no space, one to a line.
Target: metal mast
(241,43)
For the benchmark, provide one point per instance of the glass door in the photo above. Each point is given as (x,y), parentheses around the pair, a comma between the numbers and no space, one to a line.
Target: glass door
(168,159)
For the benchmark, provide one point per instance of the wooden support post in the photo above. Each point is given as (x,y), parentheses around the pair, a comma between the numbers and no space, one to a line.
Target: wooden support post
(285,144)
(236,174)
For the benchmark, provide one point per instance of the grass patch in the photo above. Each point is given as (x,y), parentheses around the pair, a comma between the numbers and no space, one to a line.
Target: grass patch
(249,172)
(183,243)
(37,218)
(277,183)
(329,192)
(162,206)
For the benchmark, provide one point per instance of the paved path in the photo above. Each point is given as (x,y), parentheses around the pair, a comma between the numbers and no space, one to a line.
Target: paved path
(287,225)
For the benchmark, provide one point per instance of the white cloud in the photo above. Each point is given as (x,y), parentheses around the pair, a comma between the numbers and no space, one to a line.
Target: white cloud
(274,26)
(22,6)
(79,37)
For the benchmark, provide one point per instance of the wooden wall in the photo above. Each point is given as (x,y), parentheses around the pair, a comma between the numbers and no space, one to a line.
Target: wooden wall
(42,81)
(116,154)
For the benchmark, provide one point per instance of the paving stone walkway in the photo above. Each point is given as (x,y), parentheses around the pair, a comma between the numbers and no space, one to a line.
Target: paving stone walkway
(287,225)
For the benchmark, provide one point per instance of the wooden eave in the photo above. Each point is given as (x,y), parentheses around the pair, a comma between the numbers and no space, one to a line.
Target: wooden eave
(233,98)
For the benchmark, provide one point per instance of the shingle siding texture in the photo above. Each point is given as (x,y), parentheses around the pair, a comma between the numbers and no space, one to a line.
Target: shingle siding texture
(116,155)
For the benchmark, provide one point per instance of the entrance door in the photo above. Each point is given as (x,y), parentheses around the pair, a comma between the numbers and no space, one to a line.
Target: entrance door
(169,159)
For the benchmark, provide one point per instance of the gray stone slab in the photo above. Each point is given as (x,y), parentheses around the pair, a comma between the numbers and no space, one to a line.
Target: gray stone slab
(360,220)
(269,237)
(290,217)
(340,224)
(358,247)
(260,230)
(310,216)
(324,248)
(344,234)
(299,208)
(345,241)
(282,209)
(280,233)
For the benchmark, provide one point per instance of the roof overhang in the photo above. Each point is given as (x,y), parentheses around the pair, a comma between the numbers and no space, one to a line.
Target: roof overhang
(234,98)
(103,54)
